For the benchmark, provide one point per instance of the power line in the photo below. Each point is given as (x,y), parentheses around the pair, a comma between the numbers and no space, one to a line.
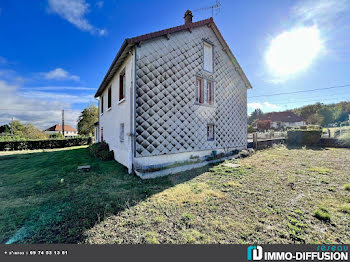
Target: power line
(306,99)
(302,91)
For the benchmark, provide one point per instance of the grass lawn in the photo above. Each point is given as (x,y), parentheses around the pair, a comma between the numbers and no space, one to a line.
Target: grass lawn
(278,195)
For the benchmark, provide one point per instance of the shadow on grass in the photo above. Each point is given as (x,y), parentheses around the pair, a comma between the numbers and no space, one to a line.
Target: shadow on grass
(44,199)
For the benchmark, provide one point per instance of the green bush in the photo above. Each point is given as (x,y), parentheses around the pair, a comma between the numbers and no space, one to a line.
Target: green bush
(56,136)
(42,144)
(303,137)
(251,129)
(101,150)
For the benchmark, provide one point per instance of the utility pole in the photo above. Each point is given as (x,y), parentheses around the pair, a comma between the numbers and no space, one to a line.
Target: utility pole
(12,126)
(63,122)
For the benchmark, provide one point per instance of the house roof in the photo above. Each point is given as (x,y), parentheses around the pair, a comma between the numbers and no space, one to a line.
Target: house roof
(59,128)
(287,116)
(128,43)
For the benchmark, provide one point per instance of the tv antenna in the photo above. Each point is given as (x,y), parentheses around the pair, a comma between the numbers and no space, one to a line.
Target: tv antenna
(216,7)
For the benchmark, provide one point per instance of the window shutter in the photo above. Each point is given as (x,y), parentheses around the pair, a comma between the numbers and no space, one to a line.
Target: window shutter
(208,57)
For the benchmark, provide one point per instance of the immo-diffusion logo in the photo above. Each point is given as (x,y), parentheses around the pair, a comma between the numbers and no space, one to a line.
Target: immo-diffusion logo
(255,253)
(326,253)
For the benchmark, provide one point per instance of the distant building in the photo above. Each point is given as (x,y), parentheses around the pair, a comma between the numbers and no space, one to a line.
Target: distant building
(281,120)
(68,130)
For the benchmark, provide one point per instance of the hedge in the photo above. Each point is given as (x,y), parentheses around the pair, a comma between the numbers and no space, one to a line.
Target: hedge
(44,144)
(303,137)
(101,150)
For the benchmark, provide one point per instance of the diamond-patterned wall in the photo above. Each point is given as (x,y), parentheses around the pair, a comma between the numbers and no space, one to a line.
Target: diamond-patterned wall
(167,118)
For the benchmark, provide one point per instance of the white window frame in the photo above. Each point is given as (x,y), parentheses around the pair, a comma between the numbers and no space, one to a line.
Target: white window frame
(199,89)
(102,104)
(122,74)
(212,91)
(208,67)
(121,132)
(211,132)
(109,97)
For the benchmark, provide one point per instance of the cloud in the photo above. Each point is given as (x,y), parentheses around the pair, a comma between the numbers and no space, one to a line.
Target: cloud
(34,105)
(61,97)
(74,11)
(324,12)
(60,88)
(273,106)
(40,112)
(264,105)
(59,74)
(255,105)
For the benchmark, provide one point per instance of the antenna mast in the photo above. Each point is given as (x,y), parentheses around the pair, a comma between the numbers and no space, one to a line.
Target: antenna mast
(216,6)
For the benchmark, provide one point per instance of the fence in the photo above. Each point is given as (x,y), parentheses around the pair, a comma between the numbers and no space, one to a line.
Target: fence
(335,132)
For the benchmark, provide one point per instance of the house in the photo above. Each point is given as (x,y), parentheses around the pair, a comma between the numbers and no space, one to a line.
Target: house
(280,120)
(173,99)
(57,129)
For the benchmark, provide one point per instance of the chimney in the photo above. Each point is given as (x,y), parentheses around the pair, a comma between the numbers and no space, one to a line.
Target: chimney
(188,17)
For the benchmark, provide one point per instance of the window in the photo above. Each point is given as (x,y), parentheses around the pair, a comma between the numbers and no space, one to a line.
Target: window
(210,92)
(121,134)
(109,97)
(122,85)
(102,105)
(210,132)
(101,134)
(208,57)
(199,91)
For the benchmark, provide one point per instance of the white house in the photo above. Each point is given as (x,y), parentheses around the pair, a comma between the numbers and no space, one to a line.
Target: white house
(173,100)
(57,129)
(281,120)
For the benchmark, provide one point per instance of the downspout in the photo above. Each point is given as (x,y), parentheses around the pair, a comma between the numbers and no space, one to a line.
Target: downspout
(133,112)
(98,115)
(134,135)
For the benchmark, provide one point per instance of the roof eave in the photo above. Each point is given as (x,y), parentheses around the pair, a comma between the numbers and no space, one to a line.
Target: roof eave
(108,76)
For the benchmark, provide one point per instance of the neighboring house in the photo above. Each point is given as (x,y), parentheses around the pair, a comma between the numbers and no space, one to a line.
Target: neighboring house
(68,130)
(281,120)
(176,95)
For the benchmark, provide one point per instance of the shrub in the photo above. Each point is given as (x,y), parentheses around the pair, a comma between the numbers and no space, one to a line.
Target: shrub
(251,129)
(101,150)
(347,187)
(42,144)
(56,136)
(322,214)
(303,137)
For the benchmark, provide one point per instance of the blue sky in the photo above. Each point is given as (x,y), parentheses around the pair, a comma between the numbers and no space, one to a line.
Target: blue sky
(54,53)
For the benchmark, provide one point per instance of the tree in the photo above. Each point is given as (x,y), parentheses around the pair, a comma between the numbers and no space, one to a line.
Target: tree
(5,129)
(315,119)
(87,119)
(27,131)
(255,115)
(327,116)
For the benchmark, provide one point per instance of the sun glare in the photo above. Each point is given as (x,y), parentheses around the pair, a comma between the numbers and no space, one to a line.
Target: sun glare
(293,51)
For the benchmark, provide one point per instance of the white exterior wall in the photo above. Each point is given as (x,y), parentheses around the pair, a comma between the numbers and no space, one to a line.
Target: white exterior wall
(120,112)
(66,133)
(287,124)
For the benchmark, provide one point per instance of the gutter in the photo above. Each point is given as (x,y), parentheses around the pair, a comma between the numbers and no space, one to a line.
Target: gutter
(134,133)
